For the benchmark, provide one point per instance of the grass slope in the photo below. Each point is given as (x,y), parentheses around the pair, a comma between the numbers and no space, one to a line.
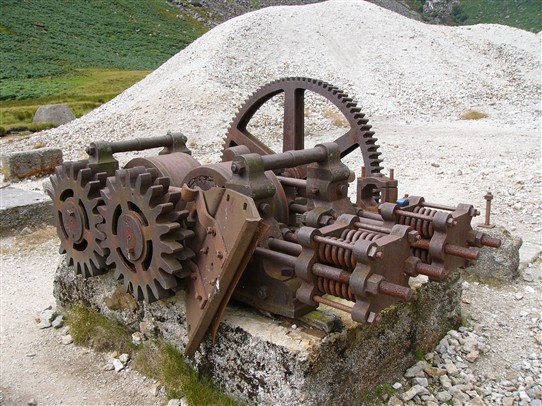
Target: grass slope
(524,14)
(83,52)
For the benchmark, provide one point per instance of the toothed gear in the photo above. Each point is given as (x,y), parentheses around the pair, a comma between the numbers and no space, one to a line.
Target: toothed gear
(76,196)
(359,134)
(143,232)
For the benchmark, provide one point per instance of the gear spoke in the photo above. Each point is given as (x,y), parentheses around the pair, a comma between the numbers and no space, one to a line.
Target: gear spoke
(295,90)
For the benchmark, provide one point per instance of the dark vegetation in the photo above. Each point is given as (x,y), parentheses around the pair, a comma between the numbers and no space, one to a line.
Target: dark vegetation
(82,52)
(524,14)
(154,358)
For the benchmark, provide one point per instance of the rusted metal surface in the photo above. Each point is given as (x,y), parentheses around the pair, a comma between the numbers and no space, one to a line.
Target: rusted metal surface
(277,231)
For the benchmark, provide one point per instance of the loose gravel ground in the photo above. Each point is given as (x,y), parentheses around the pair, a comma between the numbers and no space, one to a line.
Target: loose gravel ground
(413,80)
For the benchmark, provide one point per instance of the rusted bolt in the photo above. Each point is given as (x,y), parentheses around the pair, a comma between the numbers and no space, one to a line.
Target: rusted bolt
(220,254)
(204,250)
(264,208)
(451,222)
(91,150)
(342,190)
(374,253)
(489,198)
(211,230)
(262,292)
(237,167)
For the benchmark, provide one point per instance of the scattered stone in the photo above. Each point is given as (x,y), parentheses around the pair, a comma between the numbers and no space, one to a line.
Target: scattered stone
(58,321)
(538,338)
(26,231)
(451,368)
(137,338)
(435,165)
(476,401)
(32,402)
(67,339)
(472,356)
(155,389)
(397,385)
(421,381)
(415,390)
(57,114)
(45,318)
(507,401)
(395,401)
(444,396)
(174,402)
(31,355)
(124,358)
(518,296)
(429,370)
(119,366)
(114,354)
(109,366)
(416,370)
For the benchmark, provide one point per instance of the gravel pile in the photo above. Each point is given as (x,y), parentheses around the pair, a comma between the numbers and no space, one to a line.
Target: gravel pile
(393,65)
(447,375)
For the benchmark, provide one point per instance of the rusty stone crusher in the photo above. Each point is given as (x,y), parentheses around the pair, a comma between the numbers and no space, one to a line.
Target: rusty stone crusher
(277,231)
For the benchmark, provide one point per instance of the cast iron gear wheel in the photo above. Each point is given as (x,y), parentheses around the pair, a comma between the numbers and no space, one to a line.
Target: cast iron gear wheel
(76,197)
(294,88)
(143,232)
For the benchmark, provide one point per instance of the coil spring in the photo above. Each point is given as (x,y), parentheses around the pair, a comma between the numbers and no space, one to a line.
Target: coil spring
(341,257)
(423,227)
(424,255)
(335,288)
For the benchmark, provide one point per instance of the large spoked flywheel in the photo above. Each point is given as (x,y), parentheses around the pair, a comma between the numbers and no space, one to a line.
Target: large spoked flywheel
(143,232)
(294,90)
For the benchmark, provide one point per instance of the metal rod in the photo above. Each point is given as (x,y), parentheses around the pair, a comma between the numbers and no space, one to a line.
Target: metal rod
(336,243)
(331,303)
(395,290)
(290,159)
(286,247)
(136,144)
(413,215)
(438,206)
(490,241)
(329,272)
(450,249)
(298,208)
(371,227)
(433,272)
(489,198)
(370,215)
(298,183)
(275,256)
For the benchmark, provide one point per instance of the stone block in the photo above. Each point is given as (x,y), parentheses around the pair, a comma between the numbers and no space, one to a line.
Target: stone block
(20,208)
(266,360)
(57,114)
(20,165)
(497,264)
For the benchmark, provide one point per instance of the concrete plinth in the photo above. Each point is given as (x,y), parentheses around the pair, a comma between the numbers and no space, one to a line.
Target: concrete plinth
(266,361)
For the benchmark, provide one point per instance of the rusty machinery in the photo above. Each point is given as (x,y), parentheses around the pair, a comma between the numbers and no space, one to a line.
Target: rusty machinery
(274,230)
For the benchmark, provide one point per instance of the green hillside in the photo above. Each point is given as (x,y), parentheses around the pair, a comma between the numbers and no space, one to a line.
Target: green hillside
(524,14)
(82,51)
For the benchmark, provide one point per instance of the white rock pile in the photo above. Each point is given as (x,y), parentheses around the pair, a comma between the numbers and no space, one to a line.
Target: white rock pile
(392,65)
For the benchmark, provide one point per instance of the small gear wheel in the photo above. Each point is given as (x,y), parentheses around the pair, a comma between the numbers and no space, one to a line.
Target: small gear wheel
(76,197)
(358,134)
(143,232)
